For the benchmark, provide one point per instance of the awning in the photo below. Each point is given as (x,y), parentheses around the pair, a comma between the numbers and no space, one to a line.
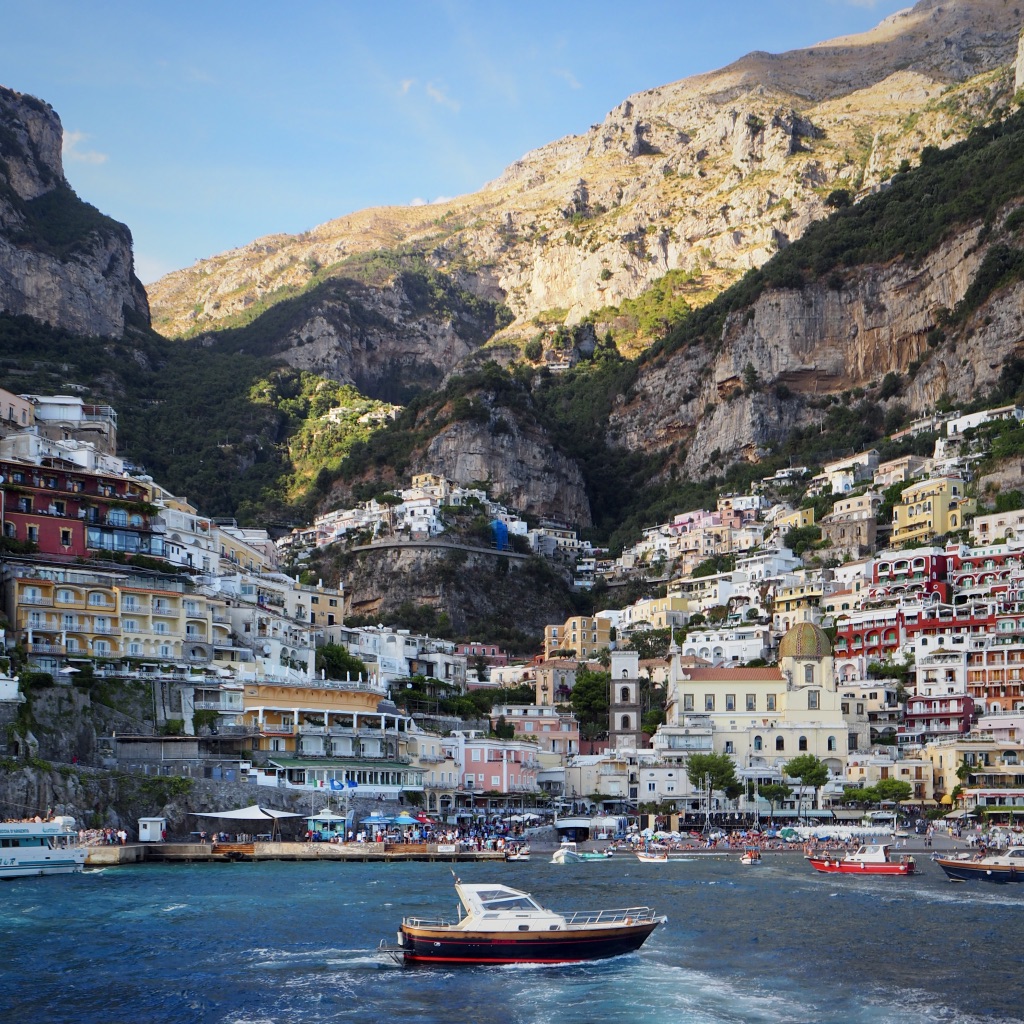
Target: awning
(958,814)
(251,813)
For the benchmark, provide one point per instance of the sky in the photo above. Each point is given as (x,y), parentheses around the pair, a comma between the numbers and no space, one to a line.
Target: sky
(206,125)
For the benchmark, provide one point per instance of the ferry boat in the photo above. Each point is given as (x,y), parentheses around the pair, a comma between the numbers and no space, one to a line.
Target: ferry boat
(502,925)
(1003,866)
(870,859)
(40,848)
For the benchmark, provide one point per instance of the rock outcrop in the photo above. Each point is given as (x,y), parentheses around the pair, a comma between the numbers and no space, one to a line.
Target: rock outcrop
(61,261)
(823,340)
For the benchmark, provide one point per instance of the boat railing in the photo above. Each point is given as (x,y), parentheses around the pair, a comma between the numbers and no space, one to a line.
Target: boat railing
(428,922)
(629,915)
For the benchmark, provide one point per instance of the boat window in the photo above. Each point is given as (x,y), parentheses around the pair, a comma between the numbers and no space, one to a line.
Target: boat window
(508,903)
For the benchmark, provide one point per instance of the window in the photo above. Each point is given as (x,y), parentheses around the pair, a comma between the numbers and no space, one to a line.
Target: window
(771,702)
(813,699)
(802,743)
(652,787)
(32,533)
(780,743)
(730,702)
(687,701)
(709,702)
(476,757)
(626,722)
(758,743)
(808,673)
(65,538)
(729,747)
(751,701)
(624,695)
(831,743)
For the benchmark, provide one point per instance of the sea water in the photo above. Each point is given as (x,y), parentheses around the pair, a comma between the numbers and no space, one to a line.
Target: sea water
(289,943)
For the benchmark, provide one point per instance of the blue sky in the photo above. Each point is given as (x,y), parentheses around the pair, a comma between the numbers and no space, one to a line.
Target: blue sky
(205,125)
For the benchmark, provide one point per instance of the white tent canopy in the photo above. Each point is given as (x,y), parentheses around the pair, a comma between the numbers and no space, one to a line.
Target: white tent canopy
(251,813)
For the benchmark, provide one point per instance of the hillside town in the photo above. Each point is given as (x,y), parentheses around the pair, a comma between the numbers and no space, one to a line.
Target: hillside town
(890,647)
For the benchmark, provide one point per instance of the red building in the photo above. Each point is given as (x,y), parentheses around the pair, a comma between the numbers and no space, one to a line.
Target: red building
(917,573)
(930,718)
(64,510)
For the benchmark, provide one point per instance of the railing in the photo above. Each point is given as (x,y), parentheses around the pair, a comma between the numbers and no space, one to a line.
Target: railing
(638,915)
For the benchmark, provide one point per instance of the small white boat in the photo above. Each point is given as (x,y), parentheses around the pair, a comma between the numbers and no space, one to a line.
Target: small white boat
(751,857)
(517,851)
(40,848)
(652,856)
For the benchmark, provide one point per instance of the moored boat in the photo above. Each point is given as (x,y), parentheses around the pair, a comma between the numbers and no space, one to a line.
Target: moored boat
(40,848)
(870,859)
(502,925)
(1002,866)
(569,853)
(652,856)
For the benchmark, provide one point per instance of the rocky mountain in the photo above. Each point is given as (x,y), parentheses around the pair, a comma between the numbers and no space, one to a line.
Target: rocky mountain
(708,176)
(61,261)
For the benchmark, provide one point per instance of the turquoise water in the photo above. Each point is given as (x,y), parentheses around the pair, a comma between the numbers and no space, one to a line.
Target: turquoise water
(287,943)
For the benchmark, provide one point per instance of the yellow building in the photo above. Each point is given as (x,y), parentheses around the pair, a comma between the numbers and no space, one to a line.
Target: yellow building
(795,520)
(930,509)
(584,635)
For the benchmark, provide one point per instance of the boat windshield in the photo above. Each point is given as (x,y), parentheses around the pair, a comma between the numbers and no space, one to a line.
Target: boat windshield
(506,901)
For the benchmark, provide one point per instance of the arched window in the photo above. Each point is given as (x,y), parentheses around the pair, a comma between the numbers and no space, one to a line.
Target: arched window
(802,745)
(625,722)
(625,673)
(831,743)
(780,743)
(624,695)
(758,744)
(117,517)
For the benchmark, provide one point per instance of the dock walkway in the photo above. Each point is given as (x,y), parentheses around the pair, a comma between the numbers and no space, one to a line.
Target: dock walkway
(134,853)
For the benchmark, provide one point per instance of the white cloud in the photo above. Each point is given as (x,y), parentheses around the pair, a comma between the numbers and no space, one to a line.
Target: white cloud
(439,96)
(405,85)
(565,74)
(72,140)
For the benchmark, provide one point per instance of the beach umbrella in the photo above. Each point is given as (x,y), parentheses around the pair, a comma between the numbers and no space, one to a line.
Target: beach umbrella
(404,819)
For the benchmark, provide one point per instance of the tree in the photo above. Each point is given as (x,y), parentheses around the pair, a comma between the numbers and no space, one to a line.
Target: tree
(590,702)
(810,770)
(775,792)
(336,662)
(721,769)
(650,643)
(892,789)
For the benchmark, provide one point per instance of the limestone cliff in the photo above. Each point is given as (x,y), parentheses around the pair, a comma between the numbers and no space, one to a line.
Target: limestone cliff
(709,175)
(61,261)
(821,340)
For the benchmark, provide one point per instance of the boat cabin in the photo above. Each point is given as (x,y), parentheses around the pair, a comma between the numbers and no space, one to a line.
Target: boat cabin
(502,908)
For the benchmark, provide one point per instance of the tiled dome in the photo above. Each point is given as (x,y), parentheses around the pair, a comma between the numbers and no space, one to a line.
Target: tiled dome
(805,640)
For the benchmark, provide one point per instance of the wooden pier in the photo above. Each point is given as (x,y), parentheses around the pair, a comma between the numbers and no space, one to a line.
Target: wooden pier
(134,853)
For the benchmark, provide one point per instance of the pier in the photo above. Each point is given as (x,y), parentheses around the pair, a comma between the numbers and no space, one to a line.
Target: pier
(135,853)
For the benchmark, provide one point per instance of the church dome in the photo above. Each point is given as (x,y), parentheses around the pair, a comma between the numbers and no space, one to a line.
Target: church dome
(805,640)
